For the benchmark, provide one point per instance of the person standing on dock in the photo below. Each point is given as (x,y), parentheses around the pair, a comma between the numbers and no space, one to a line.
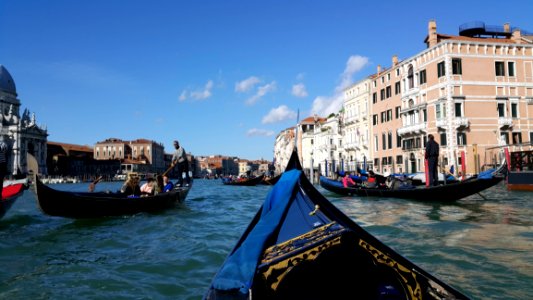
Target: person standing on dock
(180,159)
(432,156)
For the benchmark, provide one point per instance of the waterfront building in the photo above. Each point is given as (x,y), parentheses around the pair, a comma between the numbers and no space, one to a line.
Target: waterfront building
(283,147)
(472,91)
(140,155)
(21,133)
(356,129)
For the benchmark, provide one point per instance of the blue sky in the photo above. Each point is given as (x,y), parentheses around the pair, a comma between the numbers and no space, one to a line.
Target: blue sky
(222,77)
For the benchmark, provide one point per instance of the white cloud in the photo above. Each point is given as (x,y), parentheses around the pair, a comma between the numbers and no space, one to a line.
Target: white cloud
(247,84)
(325,105)
(281,113)
(300,76)
(205,93)
(261,91)
(183,96)
(299,90)
(259,132)
(354,64)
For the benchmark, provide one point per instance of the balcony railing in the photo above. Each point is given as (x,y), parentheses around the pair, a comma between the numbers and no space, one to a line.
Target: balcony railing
(441,123)
(413,129)
(505,122)
(460,122)
(351,146)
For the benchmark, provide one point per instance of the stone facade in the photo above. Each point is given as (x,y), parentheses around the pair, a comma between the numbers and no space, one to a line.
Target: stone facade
(21,133)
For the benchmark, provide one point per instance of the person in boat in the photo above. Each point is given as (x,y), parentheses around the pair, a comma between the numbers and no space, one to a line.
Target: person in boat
(4,157)
(432,155)
(92,185)
(347,181)
(371,180)
(147,189)
(167,184)
(131,186)
(180,159)
(159,184)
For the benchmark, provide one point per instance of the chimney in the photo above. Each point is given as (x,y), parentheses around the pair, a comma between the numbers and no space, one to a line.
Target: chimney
(517,36)
(432,33)
(507,28)
(379,69)
(394,60)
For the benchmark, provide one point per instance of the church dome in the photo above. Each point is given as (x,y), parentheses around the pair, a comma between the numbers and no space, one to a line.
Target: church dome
(6,82)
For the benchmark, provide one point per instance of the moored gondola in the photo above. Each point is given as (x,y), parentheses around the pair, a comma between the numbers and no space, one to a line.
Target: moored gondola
(441,193)
(300,246)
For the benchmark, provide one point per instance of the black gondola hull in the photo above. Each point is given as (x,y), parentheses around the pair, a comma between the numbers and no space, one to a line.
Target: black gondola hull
(440,193)
(317,252)
(93,205)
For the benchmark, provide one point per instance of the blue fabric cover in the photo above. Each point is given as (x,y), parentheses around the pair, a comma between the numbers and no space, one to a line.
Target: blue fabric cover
(486,174)
(239,269)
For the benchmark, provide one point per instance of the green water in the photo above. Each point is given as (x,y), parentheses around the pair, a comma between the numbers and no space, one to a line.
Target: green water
(482,247)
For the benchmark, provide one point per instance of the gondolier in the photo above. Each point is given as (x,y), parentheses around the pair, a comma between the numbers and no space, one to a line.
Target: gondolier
(432,155)
(180,159)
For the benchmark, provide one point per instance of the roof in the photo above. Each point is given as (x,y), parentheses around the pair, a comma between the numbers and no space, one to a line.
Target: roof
(6,82)
(72,147)
(441,37)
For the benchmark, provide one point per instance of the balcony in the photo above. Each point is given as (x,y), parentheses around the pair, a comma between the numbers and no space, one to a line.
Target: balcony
(504,122)
(351,146)
(441,123)
(327,147)
(413,129)
(461,122)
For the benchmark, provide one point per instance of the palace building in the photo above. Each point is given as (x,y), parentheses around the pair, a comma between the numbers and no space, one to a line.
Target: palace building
(21,133)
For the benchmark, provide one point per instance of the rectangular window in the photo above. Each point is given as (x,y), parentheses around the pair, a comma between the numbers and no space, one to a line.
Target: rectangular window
(461,138)
(383,117)
(517,138)
(398,140)
(456,66)
(390,140)
(504,136)
(500,68)
(384,141)
(437,112)
(397,88)
(501,110)
(443,139)
(389,115)
(382,94)
(510,68)
(423,77)
(531,137)
(458,110)
(514,110)
(424,115)
(441,71)
(375,120)
(389,91)
(399,159)
(374,97)
(376,146)
(398,108)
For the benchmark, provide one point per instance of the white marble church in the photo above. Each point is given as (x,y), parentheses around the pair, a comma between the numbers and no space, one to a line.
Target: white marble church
(21,133)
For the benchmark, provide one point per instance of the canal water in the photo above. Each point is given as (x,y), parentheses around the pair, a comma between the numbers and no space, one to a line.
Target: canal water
(481,245)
